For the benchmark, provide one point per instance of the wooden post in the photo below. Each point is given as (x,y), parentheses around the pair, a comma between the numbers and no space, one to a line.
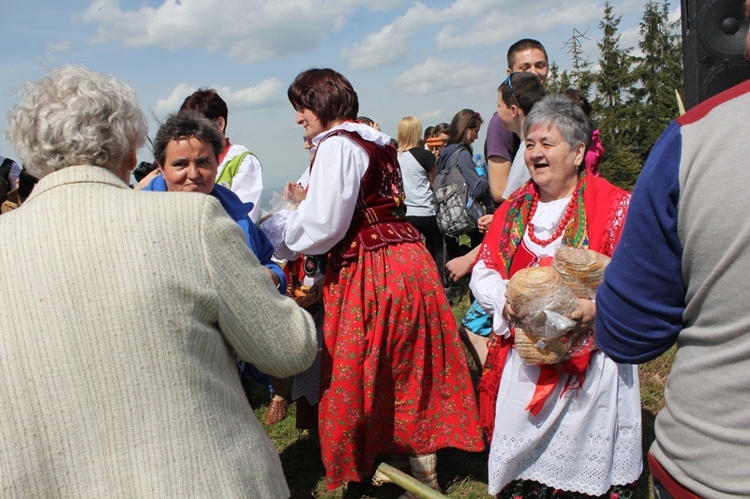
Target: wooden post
(408,482)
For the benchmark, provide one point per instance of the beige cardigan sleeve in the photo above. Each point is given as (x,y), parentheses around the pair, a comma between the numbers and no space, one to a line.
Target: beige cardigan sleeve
(264,327)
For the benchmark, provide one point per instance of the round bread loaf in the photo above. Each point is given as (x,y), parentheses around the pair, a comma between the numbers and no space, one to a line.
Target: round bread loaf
(531,293)
(536,351)
(580,268)
(533,290)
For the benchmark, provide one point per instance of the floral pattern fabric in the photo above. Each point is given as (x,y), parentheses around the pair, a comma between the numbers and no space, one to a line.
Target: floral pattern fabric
(394,373)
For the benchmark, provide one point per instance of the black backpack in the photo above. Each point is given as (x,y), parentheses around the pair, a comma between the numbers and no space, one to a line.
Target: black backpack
(456,209)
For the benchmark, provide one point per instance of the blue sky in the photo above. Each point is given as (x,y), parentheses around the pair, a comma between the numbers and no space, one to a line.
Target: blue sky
(404,58)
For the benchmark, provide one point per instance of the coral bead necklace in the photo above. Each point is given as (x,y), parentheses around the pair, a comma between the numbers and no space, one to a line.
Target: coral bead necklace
(569,210)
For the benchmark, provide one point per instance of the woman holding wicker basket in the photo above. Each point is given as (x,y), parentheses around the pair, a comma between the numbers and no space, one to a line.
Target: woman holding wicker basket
(562,417)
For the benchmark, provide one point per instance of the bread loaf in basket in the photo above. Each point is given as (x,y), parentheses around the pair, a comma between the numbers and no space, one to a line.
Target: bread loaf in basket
(540,295)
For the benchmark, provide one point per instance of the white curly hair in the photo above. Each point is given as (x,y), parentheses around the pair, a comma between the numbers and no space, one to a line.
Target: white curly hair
(75,116)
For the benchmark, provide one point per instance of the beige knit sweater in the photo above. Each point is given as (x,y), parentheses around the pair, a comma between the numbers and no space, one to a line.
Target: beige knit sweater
(119,318)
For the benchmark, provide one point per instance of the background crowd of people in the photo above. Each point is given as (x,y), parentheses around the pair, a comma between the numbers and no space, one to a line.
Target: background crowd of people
(149,310)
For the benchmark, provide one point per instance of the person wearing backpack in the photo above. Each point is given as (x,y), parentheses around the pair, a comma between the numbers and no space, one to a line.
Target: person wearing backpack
(239,170)
(462,132)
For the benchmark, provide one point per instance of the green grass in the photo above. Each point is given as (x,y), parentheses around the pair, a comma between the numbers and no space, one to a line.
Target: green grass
(461,474)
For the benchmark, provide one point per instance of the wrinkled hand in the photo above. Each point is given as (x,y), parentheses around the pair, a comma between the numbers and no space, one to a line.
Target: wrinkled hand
(510,314)
(458,267)
(273,276)
(294,192)
(584,315)
(484,222)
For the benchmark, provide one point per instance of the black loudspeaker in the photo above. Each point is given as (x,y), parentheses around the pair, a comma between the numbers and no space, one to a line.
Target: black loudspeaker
(713,45)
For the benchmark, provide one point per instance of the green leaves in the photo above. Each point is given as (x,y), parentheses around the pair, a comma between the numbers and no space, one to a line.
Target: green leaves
(632,96)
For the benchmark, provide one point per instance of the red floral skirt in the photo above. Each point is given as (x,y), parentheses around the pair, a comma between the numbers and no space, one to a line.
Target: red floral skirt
(394,373)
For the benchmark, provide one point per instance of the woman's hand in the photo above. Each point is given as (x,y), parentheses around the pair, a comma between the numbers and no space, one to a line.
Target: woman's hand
(510,314)
(294,192)
(584,315)
(484,222)
(273,276)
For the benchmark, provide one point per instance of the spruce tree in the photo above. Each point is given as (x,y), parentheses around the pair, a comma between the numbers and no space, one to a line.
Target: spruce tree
(580,74)
(552,85)
(613,111)
(659,72)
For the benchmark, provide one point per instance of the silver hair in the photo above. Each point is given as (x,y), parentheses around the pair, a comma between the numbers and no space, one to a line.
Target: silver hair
(75,116)
(554,110)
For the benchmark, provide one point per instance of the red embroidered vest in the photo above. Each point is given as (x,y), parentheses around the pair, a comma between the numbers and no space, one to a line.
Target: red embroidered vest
(379,217)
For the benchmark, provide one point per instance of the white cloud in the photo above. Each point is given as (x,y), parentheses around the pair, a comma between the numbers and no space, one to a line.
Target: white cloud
(384,5)
(173,102)
(390,45)
(675,13)
(59,46)
(496,24)
(629,39)
(265,94)
(432,116)
(466,24)
(247,30)
(436,76)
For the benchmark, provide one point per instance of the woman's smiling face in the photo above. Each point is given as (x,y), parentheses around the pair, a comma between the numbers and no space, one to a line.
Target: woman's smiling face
(310,122)
(552,162)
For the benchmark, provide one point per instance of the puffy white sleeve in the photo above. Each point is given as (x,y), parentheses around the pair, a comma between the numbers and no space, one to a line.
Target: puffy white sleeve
(488,288)
(248,184)
(324,217)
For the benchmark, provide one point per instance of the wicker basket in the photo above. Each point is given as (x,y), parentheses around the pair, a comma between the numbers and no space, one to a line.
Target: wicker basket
(306,296)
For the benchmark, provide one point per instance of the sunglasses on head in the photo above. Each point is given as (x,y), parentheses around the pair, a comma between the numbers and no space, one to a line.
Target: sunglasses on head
(509,81)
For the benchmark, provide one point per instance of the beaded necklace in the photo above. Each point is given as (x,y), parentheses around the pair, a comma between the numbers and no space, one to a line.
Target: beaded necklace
(569,211)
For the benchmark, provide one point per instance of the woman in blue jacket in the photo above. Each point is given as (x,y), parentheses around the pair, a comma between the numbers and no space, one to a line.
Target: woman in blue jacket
(186,151)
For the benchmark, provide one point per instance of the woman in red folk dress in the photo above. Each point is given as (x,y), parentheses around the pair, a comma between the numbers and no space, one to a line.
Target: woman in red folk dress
(394,376)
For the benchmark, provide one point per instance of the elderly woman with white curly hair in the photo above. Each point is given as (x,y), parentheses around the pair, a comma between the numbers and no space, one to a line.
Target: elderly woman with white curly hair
(118,375)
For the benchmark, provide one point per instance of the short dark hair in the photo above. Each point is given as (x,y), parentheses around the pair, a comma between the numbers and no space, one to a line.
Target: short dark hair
(208,103)
(525,90)
(439,129)
(325,92)
(524,44)
(186,124)
(365,121)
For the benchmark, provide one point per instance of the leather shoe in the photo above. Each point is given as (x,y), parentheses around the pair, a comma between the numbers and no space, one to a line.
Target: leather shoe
(276,411)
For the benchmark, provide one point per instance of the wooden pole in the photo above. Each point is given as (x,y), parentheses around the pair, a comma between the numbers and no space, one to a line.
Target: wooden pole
(680,104)
(408,482)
